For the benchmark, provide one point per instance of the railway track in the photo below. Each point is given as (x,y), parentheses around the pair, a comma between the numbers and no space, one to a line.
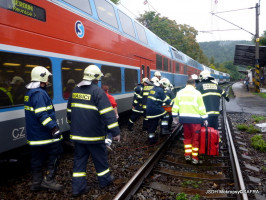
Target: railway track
(168,176)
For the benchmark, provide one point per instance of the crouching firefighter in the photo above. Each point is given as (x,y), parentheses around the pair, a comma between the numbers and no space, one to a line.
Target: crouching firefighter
(43,133)
(155,111)
(89,111)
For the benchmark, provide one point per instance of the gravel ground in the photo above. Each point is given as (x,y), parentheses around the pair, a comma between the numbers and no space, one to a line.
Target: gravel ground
(258,159)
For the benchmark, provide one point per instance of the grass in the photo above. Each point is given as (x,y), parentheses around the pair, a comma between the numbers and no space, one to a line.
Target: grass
(258,143)
(258,118)
(248,128)
(263,95)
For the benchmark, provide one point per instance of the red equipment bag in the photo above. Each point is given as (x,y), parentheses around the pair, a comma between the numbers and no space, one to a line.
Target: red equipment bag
(209,141)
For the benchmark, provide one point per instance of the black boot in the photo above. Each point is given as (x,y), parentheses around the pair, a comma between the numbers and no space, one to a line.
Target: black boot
(36,182)
(49,182)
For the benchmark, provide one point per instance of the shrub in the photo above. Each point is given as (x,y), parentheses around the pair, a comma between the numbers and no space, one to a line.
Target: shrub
(258,118)
(242,127)
(181,196)
(253,129)
(258,143)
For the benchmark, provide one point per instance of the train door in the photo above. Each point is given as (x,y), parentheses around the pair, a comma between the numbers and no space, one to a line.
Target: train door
(145,68)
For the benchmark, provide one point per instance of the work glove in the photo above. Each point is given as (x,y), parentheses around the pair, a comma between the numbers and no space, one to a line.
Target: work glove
(117,116)
(205,123)
(175,120)
(55,132)
(108,142)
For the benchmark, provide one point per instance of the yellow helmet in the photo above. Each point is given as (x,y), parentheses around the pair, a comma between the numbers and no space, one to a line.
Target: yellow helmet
(92,72)
(40,73)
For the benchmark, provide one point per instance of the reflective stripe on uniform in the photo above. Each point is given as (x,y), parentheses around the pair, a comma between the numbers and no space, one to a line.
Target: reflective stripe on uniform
(106,110)
(68,110)
(79,174)
(37,110)
(74,137)
(211,93)
(104,172)
(112,125)
(195,149)
(154,116)
(187,145)
(188,150)
(80,105)
(46,121)
(213,112)
(44,141)
(138,111)
(194,154)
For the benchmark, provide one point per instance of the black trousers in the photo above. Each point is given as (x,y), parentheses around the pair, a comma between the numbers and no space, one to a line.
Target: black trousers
(45,155)
(213,121)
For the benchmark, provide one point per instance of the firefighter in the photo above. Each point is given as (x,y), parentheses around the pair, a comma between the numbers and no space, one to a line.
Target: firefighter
(89,111)
(145,93)
(189,106)
(137,109)
(155,111)
(196,78)
(211,94)
(165,83)
(43,133)
(158,75)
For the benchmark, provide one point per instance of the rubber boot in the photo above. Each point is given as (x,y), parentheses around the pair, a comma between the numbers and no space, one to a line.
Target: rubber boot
(36,182)
(49,182)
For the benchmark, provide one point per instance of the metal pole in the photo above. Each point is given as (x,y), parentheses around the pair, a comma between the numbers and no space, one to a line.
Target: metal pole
(257,53)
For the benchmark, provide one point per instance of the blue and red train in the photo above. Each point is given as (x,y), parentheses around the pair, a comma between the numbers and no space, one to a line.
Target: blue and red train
(65,36)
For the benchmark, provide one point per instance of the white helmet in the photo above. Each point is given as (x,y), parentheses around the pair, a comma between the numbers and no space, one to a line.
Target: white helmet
(171,86)
(155,81)
(145,80)
(40,73)
(157,74)
(194,76)
(92,72)
(165,82)
(205,74)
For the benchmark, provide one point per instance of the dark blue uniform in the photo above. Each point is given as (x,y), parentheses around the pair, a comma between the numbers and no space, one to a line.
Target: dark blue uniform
(166,122)
(155,110)
(89,112)
(137,104)
(40,120)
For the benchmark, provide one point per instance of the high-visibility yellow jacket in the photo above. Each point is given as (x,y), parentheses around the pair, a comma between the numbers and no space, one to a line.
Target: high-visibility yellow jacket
(189,105)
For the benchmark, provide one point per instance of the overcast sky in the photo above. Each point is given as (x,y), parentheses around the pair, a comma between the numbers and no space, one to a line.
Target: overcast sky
(196,13)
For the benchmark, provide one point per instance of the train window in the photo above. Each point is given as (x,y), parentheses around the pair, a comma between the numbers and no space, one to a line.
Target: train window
(185,69)
(165,64)
(15,73)
(170,65)
(159,62)
(131,79)
(177,68)
(83,5)
(142,71)
(141,33)
(106,12)
(126,23)
(72,74)
(112,78)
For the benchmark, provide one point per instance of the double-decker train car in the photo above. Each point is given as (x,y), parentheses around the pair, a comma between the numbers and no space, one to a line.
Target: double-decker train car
(65,36)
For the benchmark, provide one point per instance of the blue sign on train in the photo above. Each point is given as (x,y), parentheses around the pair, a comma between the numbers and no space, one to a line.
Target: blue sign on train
(80,30)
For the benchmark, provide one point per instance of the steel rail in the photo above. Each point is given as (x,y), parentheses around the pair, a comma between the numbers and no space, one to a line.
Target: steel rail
(238,178)
(135,182)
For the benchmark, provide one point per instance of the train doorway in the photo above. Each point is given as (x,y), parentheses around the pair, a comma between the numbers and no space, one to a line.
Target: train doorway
(145,68)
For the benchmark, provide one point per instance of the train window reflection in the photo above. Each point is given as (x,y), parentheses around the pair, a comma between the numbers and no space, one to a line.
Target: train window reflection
(112,78)
(72,74)
(185,69)
(15,73)
(177,68)
(106,12)
(131,79)
(141,33)
(126,23)
(83,5)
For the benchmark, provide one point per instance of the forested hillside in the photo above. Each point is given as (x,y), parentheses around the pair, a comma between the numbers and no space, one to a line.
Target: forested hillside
(221,51)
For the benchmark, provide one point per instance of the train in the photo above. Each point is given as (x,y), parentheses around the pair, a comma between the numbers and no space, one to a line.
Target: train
(66,36)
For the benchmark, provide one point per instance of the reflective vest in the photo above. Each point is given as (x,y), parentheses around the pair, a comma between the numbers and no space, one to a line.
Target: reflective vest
(89,114)
(211,94)
(40,117)
(155,101)
(189,105)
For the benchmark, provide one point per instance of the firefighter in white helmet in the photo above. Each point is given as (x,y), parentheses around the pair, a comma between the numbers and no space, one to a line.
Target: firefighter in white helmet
(89,113)
(211,93)
(158,75)
(137,109)
(43,133)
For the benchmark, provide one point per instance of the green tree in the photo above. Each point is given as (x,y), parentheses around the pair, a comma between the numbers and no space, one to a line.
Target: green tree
(263,39)
(116,1)
(180,36)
